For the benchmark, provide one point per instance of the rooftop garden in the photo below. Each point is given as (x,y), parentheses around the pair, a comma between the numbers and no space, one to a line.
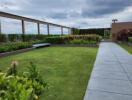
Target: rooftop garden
(66,70)
(59,72)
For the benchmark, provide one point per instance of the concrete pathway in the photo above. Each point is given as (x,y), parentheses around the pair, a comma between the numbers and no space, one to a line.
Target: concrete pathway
(111,77)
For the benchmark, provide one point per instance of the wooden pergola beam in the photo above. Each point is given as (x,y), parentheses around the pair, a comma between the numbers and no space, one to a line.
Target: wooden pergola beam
(13,16)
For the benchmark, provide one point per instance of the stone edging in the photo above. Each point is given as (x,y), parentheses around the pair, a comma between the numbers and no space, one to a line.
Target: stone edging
(76,45)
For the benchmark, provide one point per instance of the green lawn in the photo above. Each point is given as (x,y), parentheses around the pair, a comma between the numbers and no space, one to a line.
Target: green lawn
(66,69)
(127,47)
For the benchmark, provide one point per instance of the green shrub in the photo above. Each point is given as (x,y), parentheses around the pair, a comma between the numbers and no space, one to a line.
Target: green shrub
(33,37)
(14,37)
(34,75)
(80,39)
(18,88)
(76,41)
(5,47)
(2,38)
(130,39)
(56,40)
(14,87)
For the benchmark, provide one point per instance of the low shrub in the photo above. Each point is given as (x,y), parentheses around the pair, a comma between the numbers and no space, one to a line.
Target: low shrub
(22,37)
(77,41)
(83,39)
(34,37)
(15,87)
(56,40)
(5,47)
(130,39)
(2,38)
(14,37)
(124,34)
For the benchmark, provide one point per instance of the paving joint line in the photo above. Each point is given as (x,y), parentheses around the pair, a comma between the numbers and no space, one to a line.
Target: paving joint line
(108,78)
(122,67)
(98,90)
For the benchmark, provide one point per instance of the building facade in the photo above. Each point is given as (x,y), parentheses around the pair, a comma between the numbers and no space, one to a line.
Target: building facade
(119,26)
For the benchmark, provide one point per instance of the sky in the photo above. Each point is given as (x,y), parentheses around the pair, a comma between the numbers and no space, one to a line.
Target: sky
(73,13)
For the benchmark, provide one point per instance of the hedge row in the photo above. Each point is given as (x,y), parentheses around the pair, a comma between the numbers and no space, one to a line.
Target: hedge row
(6,47)
(20,37)
(67,39)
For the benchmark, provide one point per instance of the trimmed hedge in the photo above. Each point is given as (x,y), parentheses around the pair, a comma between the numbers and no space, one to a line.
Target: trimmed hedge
(67,39)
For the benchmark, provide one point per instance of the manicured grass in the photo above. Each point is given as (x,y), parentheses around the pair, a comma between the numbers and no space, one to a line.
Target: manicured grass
(127,47)
(66,69)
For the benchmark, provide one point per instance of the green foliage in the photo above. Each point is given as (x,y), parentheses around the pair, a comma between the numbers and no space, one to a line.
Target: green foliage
(14,87)
(73,38)
(34,37)
(14,37)
(98,31)
(2,38)
(22,37)
(126,46)
(130,39)
(81,41)
(67,69)
(34,74)
(17,88)
(5,47)
(76,31)
(56,40)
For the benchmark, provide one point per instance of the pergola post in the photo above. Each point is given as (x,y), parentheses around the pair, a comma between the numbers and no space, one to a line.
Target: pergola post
(72,30)
(0,27)
(69,31)
(48,30)
(38,27)
(61,30)
(23,30)
(23,27)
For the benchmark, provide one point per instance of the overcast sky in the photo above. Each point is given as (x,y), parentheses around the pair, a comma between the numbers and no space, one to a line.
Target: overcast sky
(74,13)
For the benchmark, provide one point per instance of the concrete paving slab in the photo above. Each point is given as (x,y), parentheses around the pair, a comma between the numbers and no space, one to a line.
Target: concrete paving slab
(111,85)
(100,95)
(111,78)
(108,68)
(109,75)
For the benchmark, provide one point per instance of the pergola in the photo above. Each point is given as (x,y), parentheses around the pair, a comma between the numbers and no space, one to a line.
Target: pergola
(38,22)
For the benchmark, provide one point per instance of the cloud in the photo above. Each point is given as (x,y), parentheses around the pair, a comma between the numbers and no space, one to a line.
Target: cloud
(99,8)
(74,13)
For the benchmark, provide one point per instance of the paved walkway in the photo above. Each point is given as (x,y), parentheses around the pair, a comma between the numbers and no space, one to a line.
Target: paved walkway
(111,77)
